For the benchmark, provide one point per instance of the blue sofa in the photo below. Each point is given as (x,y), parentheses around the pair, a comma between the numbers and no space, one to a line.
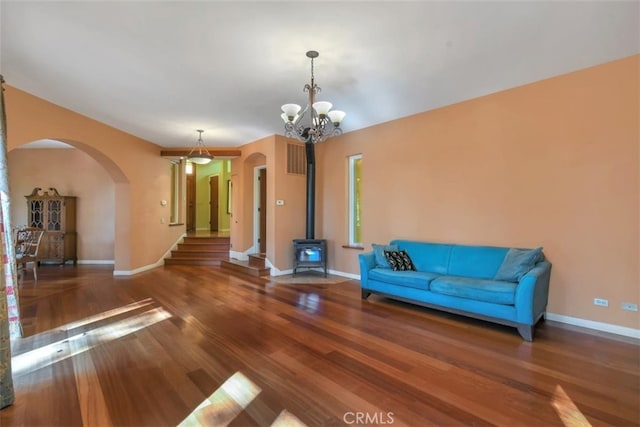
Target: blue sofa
(476,281)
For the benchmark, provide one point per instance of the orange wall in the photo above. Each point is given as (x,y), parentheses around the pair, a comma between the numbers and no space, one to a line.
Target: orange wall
(44,168)
(553,164)
(141,176)
(284,223)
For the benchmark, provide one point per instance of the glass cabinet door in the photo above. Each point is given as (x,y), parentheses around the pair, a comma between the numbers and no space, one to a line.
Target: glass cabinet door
(36,216)
(54,219)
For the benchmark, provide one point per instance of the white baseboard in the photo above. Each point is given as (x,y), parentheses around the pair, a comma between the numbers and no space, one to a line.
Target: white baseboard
(158,263)
(277,272)
(343,274)
(96,261)
(240,256)
(138,270)
(599,326)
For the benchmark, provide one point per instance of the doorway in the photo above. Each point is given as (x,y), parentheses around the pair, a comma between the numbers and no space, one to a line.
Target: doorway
(214,203)
(191,200)
(260,201)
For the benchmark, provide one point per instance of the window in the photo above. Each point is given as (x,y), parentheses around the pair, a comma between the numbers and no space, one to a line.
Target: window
(355,200)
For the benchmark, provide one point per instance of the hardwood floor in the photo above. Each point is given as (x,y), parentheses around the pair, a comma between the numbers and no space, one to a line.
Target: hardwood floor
(148,350)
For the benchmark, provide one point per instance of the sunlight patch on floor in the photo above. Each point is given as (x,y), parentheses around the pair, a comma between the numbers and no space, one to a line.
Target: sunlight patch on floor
(106,314)
(568,412)
(226,403)
(287,419)
(55,352)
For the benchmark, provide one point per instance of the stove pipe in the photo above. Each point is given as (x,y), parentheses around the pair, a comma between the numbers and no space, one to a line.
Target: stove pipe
(311,188)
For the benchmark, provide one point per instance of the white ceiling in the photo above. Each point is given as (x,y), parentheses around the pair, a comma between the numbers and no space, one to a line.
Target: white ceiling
(160,70)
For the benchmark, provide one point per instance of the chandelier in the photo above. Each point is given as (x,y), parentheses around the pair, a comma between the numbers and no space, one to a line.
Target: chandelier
(199,154)
(321,122)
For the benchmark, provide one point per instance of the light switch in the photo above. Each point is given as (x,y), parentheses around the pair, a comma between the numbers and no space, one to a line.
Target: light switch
(279,202)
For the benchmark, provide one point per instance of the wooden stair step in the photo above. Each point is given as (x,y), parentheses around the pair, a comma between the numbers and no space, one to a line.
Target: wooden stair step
(197,253)
(244,268)
(193,261)
(257,260)
(200,250)
(212,244)
(194,239)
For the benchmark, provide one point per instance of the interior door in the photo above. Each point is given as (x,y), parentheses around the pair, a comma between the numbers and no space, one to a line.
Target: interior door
(191,200)
(214,203)
(263,210)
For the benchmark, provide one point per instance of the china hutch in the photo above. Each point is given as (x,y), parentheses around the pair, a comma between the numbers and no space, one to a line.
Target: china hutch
(56,215)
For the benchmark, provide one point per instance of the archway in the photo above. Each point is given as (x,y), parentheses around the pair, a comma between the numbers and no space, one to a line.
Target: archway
(105,208)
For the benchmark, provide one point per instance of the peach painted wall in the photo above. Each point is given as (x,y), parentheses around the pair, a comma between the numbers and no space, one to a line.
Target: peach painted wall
(141,176)
(290,218)
(284,223)
(553,164)
(95,192)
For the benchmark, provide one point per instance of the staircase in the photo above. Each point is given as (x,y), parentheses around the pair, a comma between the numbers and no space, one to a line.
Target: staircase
(200,250)
(254,267)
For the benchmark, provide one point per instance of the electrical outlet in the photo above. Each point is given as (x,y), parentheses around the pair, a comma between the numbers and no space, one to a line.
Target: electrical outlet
(601,302)
(629,306)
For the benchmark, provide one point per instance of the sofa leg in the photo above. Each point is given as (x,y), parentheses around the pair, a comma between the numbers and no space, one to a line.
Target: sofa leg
(365,294)
(526,332)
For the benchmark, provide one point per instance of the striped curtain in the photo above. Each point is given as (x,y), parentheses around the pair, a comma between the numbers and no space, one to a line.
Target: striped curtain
(10,326)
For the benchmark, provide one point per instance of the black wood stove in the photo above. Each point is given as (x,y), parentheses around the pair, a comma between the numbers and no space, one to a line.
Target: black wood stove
(310,252)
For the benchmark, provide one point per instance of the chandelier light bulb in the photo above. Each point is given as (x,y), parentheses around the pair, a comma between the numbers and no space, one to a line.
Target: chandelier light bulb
(336,116)
(291,111)
(322,108)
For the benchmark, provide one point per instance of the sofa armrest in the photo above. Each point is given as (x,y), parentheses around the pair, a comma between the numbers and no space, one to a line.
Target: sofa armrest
(367,262)
(532,293)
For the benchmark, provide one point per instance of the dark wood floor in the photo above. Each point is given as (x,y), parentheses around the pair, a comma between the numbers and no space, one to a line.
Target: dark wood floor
(148,350)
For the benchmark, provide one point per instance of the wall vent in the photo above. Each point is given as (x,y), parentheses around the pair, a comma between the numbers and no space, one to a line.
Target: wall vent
(296,161)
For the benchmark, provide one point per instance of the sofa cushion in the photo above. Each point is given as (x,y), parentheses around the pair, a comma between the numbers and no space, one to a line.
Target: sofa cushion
(480,262)
(433,257)
(399,260)
(410,279)
(517,263)
(493,291)
(378,251)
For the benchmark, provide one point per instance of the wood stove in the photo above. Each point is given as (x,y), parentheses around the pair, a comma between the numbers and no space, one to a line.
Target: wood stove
(309,253)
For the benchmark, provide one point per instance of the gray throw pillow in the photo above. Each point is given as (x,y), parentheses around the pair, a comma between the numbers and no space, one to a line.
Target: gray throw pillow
(378,251)
(517,263)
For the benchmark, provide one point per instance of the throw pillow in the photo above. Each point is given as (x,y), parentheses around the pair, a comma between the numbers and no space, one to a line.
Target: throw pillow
(517,263)
(378,251)
(399,260)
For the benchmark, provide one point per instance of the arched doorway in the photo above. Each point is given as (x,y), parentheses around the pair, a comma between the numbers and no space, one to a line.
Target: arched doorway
(59,164)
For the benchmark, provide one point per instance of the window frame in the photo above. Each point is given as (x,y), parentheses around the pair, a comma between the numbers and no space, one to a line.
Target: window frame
(354,224)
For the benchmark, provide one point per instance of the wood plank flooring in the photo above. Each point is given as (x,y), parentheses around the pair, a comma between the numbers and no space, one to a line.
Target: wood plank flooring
(182,345)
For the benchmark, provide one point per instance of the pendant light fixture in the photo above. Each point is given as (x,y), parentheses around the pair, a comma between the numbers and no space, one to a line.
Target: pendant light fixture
(199,154)
(321,122)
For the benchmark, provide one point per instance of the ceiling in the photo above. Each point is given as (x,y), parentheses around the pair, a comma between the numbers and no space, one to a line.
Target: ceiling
(160,70)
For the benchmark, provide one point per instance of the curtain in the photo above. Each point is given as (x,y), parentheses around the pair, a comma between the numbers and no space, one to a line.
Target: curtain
(10,326)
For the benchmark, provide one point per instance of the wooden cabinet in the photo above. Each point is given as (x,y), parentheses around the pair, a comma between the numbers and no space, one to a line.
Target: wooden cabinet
(56,215)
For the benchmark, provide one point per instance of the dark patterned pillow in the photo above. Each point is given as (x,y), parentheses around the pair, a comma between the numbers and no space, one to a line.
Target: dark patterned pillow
(399,260)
